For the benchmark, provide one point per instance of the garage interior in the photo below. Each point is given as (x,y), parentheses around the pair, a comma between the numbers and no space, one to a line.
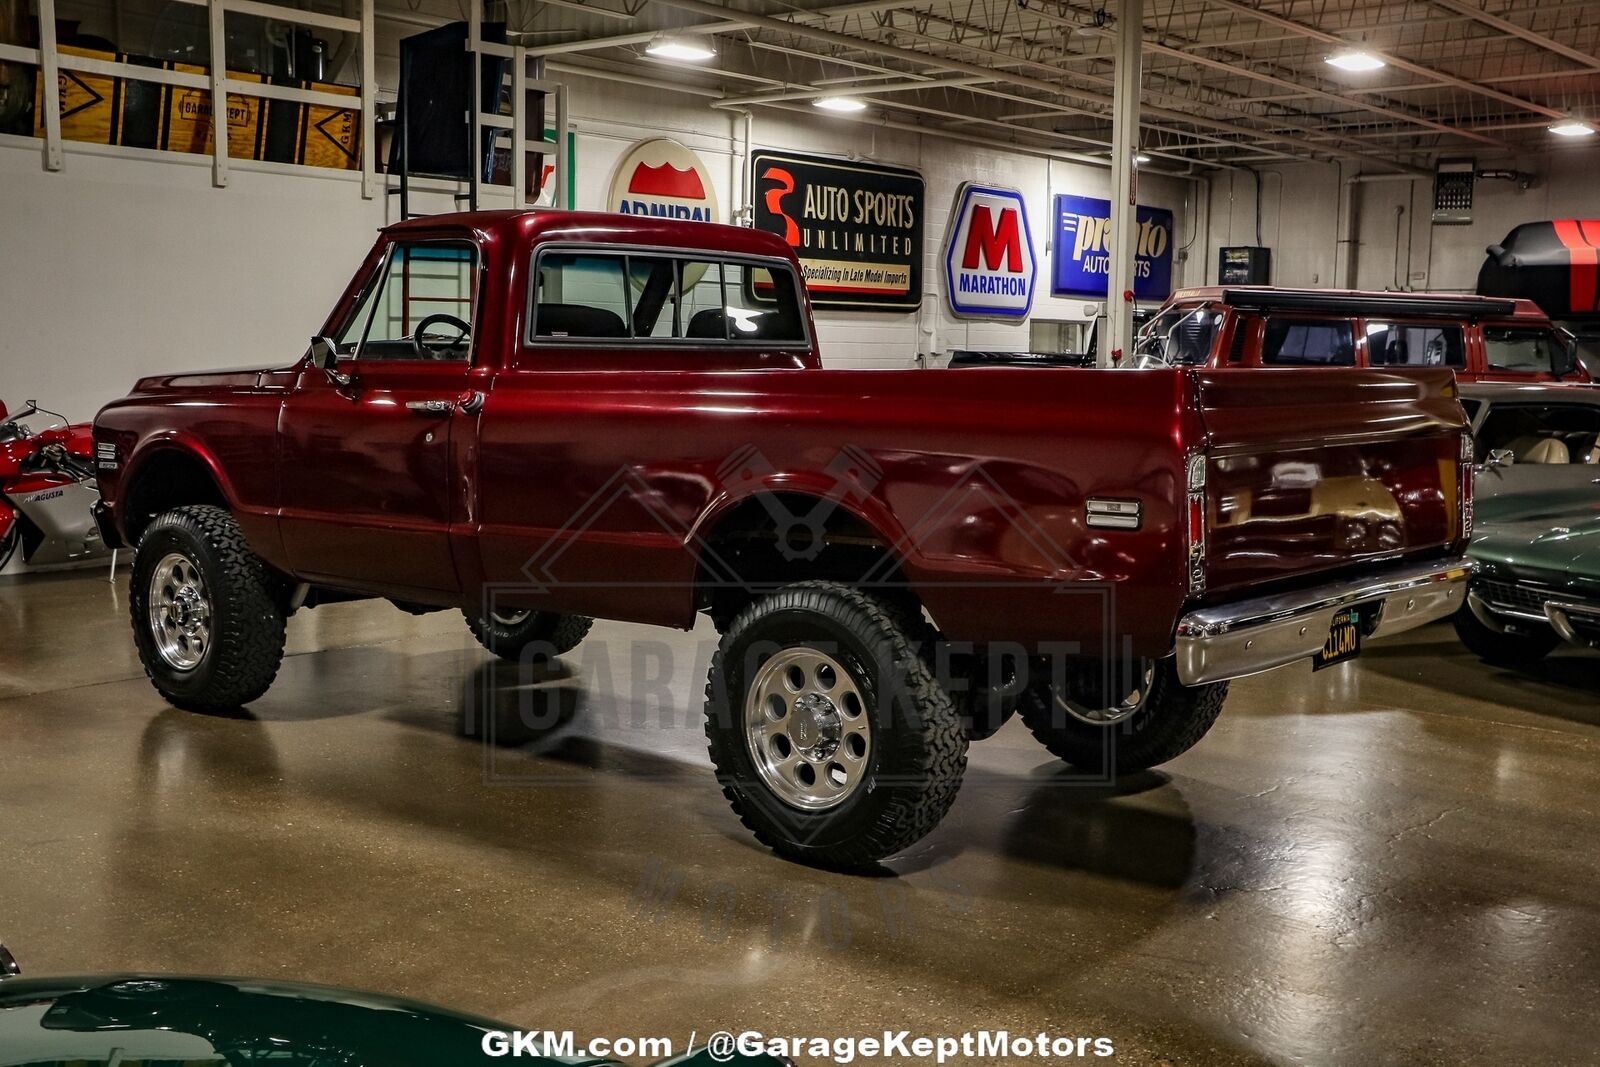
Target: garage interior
(1385,862)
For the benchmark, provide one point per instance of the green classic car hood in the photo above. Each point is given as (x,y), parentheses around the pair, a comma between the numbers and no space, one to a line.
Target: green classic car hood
(1564,543)
(229,1021)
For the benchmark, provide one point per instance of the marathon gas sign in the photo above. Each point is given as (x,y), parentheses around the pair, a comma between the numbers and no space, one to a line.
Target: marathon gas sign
(988,255)
(663,179)
(1082,249)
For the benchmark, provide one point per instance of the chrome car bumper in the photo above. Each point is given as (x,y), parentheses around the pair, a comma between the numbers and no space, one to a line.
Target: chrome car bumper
(1250,636)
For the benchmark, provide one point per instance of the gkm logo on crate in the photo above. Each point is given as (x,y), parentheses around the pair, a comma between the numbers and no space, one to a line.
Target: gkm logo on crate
(988,255)
(663,178)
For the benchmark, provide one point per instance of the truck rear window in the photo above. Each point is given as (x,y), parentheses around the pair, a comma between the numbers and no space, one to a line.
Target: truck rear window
(627,296)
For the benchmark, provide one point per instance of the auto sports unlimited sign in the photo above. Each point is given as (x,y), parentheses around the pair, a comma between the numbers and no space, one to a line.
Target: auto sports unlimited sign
(662,178)
(988,255)
(857,227)
(1082,240)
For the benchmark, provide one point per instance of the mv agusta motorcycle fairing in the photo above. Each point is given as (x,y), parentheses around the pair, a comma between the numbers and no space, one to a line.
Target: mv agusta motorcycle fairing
(47,489)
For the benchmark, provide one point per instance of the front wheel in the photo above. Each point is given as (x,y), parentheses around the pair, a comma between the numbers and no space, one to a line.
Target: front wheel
(833,741)
(1507,649)
(507,632)
(1153,718)
(208,629)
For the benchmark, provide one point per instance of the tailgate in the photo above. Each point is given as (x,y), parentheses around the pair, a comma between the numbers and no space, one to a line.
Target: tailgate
(1309,471)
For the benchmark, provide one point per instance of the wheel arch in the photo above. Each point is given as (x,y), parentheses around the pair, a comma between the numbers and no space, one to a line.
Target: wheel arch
(769,536)
(167,473)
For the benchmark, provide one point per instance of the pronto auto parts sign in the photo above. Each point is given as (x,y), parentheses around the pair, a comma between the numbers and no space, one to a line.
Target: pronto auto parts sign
(988,254)
(857,227)
(662,178)
(1082,242)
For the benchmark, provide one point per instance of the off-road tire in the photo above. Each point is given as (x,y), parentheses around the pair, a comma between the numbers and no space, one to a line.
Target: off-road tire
(1173,719)
(1503,650)
(247,620)
(554,632)
(918,752)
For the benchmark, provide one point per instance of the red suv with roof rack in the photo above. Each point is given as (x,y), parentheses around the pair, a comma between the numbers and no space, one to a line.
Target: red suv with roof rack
(1480,338)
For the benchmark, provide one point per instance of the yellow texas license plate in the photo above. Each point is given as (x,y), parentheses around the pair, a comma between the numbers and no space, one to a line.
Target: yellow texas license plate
(1344,640)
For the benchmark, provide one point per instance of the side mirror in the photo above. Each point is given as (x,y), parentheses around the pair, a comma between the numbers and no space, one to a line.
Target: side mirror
(1499,457)
(1564,360)
(325,357)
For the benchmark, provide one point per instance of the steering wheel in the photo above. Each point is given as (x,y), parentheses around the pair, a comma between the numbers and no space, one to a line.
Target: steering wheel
(440,350)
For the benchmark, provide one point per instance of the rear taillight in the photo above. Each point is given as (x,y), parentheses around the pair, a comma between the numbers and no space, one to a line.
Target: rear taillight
(1196,467)
(1466,485)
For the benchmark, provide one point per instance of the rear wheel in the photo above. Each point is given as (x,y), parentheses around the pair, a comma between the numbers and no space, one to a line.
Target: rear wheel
(1508,649)
(832,739)
(507,632)
(208,629)
(1148,718)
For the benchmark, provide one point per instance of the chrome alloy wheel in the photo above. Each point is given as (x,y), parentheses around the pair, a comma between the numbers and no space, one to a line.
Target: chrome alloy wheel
(180,612)
(1133,692)
(807,728)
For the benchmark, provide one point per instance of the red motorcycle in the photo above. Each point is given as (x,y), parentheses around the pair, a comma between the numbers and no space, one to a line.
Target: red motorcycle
(47,489)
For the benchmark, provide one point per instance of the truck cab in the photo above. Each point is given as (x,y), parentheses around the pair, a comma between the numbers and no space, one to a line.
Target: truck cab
(1489,339)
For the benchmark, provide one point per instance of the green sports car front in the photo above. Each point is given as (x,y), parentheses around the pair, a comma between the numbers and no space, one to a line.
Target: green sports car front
(1539,574)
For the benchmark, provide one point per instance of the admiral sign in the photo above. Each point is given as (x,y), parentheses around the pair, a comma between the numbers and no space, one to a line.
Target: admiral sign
(1082,240)
(661,177)
(857,227)
(988,256)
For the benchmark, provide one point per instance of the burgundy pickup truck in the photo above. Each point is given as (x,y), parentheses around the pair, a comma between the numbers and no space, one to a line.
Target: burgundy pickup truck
(540,418)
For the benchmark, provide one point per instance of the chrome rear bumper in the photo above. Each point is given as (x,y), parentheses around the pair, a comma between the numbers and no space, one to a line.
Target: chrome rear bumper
(1250,636)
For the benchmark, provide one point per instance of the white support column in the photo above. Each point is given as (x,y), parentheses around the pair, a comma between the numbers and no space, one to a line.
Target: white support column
(563,161)
(369,105)
(519,128)
(219,93)
(475,96)
(1124,180)
(50,77)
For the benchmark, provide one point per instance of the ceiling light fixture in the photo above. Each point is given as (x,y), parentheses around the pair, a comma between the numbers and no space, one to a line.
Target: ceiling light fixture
(1572,128)
(842,104)
(1140,157)
(682,49)
(1358,61)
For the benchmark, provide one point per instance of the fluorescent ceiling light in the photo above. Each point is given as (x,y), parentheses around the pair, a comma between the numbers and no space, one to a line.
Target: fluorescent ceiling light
(684,49)
(1356,61)
(1141,158)
(1572,128)
(839,103)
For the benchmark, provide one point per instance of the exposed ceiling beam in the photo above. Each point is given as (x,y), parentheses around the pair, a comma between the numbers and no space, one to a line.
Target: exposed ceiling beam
(726,24)
(1398,62)
(1506,26)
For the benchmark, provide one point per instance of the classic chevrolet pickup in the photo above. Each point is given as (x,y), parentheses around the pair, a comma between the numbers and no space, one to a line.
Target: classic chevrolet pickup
(539,418)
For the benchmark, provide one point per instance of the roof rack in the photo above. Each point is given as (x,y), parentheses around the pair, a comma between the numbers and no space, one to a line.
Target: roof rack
(1466,307)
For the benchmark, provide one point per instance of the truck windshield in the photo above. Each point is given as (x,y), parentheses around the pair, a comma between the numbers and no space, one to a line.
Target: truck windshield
(1521,349)
(1177,335)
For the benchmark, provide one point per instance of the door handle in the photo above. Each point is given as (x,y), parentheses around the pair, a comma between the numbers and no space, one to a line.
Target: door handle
(430,407)
(472,403)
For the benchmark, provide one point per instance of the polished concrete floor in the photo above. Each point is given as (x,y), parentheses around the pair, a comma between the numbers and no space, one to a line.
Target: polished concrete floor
(1391,862)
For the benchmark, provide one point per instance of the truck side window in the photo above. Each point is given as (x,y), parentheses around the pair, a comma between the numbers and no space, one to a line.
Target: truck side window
(1309,343)
(421,307)
(1402,345)
(581,294)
